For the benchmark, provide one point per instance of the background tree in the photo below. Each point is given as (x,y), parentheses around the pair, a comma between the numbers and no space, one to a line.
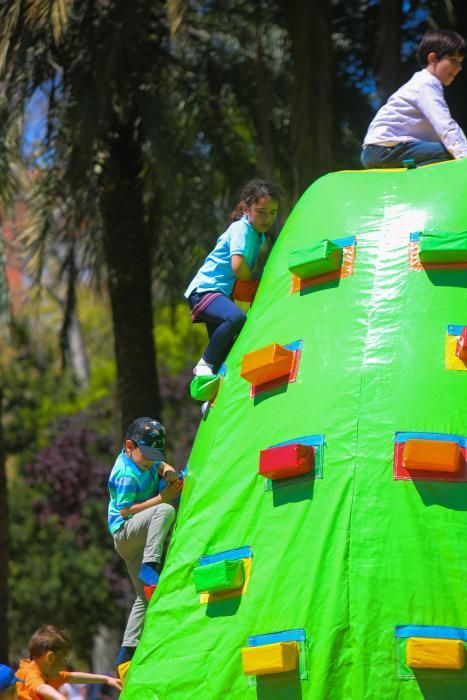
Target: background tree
(388,47)
(312,102)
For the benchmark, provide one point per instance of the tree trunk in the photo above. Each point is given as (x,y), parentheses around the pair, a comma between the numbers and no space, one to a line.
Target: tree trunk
(77,352)
(312,115)
(128,253)
(4,545)
(263,105)
(388,50)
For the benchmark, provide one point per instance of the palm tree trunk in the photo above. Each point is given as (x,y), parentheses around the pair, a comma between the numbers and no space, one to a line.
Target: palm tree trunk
(312,115)
(128,252)
(4,546)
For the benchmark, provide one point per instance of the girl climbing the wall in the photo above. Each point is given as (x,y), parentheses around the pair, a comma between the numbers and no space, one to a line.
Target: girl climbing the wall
(233,258)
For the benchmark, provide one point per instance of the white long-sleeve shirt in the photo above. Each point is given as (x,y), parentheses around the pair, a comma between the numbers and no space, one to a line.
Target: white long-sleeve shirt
(417,112)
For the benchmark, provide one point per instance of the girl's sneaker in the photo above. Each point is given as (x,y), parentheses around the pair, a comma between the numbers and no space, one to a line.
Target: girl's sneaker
(203,369)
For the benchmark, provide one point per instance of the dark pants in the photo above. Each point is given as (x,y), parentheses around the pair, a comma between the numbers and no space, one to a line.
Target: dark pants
(421,152)
(224,321)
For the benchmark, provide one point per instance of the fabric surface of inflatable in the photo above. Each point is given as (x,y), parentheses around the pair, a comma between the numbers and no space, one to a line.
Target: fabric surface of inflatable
(351,561)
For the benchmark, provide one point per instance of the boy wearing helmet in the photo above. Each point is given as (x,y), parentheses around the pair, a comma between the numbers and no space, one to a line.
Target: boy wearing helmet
(140,517)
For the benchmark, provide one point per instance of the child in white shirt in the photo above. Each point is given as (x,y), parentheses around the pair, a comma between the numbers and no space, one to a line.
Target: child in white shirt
(415,123)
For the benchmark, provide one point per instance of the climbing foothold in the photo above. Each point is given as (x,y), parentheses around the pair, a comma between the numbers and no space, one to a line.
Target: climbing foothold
(204,387)
(149,591)
(288,460)
(317,259)
(432,455)
(245,290)
(443,247)
(225,575)
(270,658)
(426,652)
(122,670)
(267,364)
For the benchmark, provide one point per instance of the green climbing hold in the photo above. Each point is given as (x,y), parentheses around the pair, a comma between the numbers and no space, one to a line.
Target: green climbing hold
(204,388)
(317,259)
(225,575)
(443,247)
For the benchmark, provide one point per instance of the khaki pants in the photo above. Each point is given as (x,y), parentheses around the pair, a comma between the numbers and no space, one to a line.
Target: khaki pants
(141,539)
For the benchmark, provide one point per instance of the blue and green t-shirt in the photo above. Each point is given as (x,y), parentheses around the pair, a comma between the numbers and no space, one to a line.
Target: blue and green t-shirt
(128,484)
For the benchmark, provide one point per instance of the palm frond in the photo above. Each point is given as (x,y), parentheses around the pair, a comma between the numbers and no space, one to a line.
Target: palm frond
(42,15)
(60,14)
(9,18)
(176,10)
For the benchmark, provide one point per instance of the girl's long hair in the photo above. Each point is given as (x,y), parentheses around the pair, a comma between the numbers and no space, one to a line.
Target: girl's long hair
(251,193)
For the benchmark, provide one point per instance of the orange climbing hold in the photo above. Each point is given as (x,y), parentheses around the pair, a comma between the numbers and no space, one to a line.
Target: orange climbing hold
(265,365)
(270,658)
(245,290)
(432,455)
(426,652)
(283,461)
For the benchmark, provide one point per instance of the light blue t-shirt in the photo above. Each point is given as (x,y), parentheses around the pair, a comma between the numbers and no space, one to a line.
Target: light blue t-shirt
(216,272)
(128,484)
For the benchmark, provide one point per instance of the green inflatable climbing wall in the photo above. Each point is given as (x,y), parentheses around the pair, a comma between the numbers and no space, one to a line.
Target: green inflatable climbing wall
(321,544)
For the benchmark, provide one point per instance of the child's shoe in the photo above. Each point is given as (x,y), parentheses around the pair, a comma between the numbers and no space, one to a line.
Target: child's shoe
(149,573)
(125,654)
(203,369)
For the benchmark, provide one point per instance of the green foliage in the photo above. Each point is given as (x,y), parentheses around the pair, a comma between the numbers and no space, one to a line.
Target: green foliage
(179,341)
(63,568)
(63,442)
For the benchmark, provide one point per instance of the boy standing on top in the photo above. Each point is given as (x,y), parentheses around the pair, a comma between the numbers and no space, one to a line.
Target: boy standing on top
(415,123)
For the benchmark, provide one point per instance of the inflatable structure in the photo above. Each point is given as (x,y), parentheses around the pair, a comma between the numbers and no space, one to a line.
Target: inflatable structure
(320,550)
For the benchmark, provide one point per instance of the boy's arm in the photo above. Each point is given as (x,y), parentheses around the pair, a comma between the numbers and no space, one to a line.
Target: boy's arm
(77,677)
(169,493)
(167,472)
(432,104)
(46,691)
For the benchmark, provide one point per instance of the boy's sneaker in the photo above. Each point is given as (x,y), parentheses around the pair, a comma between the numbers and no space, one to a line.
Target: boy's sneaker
(150,572)
(125,654)
(203,369)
